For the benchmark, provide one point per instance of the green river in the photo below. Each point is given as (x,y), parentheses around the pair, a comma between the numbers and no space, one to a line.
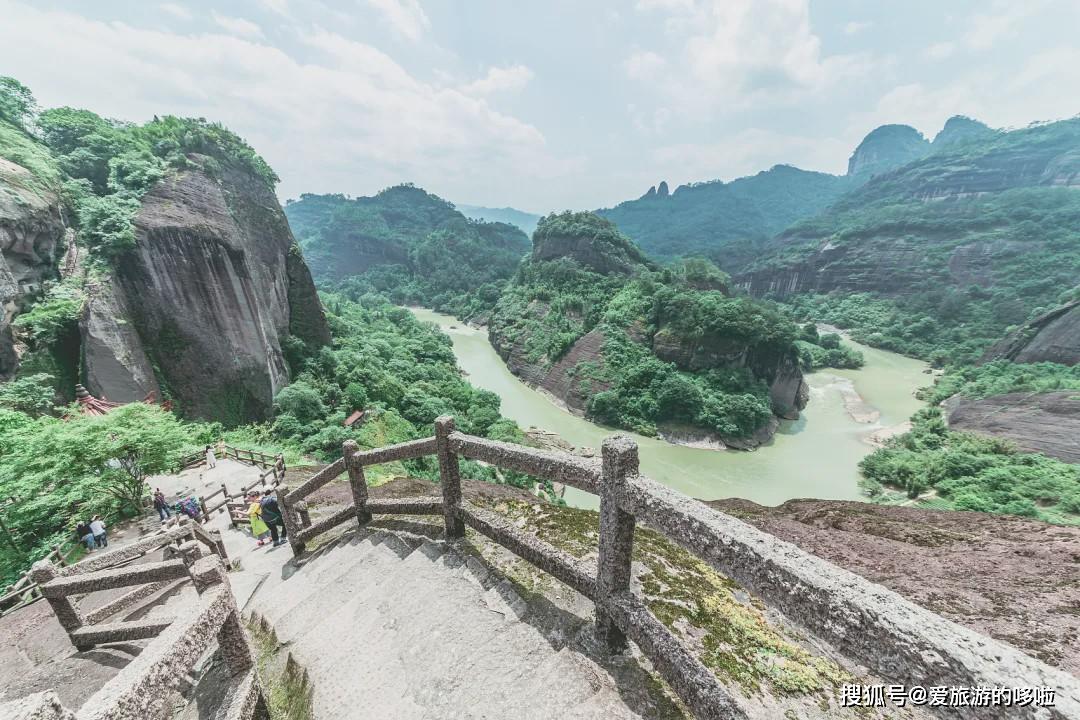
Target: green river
(815,456)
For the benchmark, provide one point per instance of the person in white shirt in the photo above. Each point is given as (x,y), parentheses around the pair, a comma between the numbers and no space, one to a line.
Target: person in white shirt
(97,527)
(211,459)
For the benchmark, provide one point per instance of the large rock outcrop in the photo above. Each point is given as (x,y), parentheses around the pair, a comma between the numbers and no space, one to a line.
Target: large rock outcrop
(1051,337)
(31,240)
(212,289)
(885,148)
(1047,423)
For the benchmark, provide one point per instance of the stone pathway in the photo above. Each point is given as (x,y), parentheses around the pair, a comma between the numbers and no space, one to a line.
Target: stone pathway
(398,626)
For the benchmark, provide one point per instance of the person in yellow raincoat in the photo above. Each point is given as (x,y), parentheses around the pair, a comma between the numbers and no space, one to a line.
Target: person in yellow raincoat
(259,529)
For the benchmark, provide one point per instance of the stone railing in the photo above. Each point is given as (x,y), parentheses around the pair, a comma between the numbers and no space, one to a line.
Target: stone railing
(145,687)
(221,500)
(184,542)
(869,624)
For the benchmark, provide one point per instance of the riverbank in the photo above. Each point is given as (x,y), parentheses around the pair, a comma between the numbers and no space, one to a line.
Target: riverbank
(815,456)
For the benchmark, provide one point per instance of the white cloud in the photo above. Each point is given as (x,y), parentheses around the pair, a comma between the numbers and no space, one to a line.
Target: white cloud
(237,26)
(985,29)
(940,51)
(338,116)
(742,52)
(855,27)
(178,11)
(406,17)
(499,79)
(644,65)
(279,7)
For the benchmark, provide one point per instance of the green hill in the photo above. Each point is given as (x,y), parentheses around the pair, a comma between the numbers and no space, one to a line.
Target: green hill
(591,321)
(409,244)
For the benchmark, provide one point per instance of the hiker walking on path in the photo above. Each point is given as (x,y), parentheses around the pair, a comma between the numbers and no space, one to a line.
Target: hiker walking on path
(85,535)
(258,527)
(211,459)
(161,505)
(97,527)
(271,515)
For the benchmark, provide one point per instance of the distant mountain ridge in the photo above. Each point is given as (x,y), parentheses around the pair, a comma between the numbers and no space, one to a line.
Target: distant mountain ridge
(969,239)
(526,221)
(724,221)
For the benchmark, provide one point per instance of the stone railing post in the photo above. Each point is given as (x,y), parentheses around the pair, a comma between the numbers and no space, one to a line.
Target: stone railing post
(357,481)
(449,477)
(208,572)
(292,525)
(619,460)
(305,515)
(67,613)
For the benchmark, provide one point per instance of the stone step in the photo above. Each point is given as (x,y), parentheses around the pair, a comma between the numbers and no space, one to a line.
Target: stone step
(408,628)
(331,594)
(307,583)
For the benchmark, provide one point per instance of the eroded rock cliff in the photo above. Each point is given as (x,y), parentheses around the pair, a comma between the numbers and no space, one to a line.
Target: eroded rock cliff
(205,301)
(31,241)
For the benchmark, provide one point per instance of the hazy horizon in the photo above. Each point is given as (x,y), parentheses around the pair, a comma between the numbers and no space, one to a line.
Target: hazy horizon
(547,108)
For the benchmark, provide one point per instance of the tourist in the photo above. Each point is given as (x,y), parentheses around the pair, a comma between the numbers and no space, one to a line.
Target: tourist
(97,527)
(85,535)
(161,505)
(259,531)
(211,459)
(271,515)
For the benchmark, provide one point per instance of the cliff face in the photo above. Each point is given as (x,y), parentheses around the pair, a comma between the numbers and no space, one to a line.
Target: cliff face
(206,298)
(31,241)
(1052,337)
(1047,423)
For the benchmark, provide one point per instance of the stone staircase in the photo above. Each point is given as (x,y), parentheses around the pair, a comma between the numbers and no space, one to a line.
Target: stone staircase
(392,625)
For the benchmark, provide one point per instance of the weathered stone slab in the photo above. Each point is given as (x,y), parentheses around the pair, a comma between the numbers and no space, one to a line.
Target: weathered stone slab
(39,706)
(119,632)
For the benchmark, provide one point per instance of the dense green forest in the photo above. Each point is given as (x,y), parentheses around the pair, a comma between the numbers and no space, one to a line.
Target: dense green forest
(725,222)
(409,244)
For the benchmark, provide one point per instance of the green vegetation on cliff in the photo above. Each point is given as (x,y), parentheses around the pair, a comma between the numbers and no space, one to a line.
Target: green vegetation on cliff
(412,246)
(962,471)
(646,347)
(1003,376)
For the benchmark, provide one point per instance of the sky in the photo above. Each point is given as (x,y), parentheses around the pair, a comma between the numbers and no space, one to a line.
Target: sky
(551,105)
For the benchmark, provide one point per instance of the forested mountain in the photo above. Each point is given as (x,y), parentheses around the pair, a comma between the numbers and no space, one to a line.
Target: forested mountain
(511,216)
(940,257)
(725,222)
(414,246)
(180,278)
(589,319)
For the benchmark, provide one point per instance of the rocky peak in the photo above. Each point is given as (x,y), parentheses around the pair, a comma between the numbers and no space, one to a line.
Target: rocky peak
(961,129)
(592,241)
(662,189)
(885,148)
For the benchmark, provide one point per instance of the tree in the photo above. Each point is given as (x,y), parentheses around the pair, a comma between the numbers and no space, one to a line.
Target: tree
(17,104)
